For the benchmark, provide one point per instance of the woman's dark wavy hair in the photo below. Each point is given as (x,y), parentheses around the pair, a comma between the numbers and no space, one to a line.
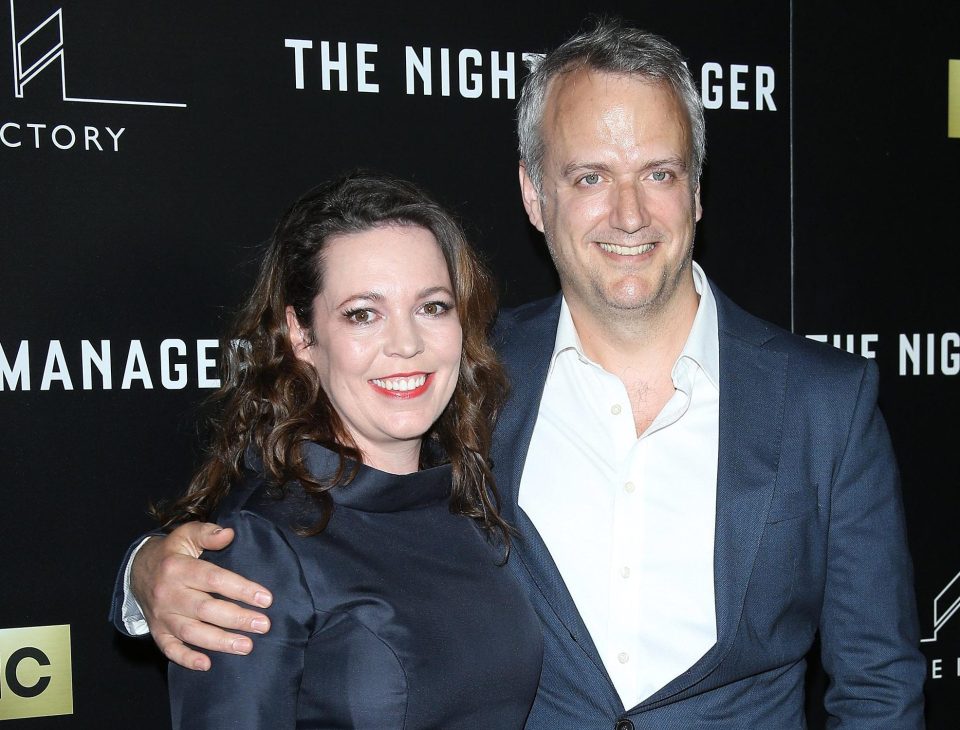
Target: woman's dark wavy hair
(272,401)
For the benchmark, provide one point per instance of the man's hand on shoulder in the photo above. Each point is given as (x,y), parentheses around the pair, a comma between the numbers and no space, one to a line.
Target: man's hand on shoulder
(173,589)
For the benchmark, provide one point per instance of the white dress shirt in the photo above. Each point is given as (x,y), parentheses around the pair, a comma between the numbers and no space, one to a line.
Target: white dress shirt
(630,521)
(130,612)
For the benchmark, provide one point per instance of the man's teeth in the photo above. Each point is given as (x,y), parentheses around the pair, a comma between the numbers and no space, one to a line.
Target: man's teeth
(401,384)
(626,250)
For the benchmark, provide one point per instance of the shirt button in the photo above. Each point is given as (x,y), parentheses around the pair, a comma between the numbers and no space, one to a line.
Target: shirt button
(629,487)
(623,724)
(615,409)
(625,571)
(623,657)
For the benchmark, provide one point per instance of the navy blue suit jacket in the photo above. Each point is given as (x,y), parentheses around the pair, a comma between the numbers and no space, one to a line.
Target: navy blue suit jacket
(809,536)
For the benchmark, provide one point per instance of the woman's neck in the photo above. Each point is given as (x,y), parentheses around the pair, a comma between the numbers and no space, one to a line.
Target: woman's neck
(398,457)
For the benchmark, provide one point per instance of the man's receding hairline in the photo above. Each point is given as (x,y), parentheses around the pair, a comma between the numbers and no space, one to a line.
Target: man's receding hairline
(583,64)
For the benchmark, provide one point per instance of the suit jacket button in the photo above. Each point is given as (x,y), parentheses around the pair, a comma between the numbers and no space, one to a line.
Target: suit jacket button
(623,724)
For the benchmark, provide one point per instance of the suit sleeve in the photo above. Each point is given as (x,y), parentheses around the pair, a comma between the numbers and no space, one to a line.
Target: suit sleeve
(869,630)
(259,690)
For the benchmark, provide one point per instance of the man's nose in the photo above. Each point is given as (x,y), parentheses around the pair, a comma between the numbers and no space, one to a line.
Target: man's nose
(628,210)
(404,338)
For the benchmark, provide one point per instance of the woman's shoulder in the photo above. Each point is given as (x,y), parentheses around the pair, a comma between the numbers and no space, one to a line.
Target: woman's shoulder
(288,507)
(265,549)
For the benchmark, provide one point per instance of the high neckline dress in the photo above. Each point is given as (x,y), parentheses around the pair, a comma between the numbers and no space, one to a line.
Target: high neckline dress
(397,615)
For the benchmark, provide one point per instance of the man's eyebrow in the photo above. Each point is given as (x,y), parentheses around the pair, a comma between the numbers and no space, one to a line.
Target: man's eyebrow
(667,162)
(572,167)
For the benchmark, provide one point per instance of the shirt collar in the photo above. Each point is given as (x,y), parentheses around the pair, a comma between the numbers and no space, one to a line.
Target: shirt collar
(703,342)
(702,345)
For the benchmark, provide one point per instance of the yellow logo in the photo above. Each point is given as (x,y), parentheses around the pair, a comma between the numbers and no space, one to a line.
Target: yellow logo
(953,99)
(36,678)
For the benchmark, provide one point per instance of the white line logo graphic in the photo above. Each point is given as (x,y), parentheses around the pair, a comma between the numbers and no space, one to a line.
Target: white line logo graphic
(53,26)
(944,606)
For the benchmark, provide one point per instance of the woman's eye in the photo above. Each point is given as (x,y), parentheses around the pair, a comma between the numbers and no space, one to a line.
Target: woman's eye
(359,316)
(434,309)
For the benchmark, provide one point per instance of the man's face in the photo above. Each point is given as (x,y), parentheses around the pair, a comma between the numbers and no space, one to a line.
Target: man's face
(618,206)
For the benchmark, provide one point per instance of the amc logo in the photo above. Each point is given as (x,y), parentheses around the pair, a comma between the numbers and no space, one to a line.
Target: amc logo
(36,679)
(953,99)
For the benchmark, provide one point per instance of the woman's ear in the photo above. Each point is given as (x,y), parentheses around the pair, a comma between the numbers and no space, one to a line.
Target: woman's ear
(298,337)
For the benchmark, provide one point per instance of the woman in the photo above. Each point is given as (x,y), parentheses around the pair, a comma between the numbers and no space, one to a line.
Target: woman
(349,456)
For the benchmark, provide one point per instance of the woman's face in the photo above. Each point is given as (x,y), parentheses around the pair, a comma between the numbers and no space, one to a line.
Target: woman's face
(387,338)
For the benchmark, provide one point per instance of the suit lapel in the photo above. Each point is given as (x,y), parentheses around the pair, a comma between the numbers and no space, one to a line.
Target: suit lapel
(752,387)
(526,348)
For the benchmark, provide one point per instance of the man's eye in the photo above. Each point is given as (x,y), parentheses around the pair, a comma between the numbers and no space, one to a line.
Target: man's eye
(660,175)
(591,179)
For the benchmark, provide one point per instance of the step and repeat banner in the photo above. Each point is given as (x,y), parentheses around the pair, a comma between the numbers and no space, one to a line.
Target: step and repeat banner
(876,150)
(146,151)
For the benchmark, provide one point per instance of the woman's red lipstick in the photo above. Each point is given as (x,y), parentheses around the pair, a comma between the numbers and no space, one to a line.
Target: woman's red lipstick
(402,391)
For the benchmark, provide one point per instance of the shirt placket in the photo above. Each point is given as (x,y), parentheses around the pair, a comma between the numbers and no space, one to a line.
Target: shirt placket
(627,454)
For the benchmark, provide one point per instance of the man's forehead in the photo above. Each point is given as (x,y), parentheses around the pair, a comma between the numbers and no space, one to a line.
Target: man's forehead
(576,81)
(583,102)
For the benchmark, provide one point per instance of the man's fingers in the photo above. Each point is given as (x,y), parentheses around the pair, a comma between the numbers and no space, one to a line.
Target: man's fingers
(205,636)
(229,615)
(214,537)
(214,579)
(173,589)
(188,538)
(179,653)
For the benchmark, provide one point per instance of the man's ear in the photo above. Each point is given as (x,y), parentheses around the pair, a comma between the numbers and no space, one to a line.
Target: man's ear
(531,199)
(696,203)
(298,337)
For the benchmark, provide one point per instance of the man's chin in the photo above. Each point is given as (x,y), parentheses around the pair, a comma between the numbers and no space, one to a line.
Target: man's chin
(631,296)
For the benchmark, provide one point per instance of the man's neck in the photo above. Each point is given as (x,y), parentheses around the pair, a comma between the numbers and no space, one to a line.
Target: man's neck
(638,339)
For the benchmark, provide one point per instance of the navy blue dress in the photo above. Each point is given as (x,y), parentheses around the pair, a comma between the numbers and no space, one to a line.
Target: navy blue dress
(395,616)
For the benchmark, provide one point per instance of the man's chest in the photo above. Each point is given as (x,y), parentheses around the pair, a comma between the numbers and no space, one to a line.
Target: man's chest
(629,523)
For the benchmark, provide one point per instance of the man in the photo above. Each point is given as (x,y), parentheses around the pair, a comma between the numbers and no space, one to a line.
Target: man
(697,492)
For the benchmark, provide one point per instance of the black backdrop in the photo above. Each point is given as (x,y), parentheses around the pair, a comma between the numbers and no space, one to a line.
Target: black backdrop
(827,198)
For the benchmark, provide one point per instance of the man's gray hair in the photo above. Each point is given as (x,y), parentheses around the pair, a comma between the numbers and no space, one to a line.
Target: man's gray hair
(608,47)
